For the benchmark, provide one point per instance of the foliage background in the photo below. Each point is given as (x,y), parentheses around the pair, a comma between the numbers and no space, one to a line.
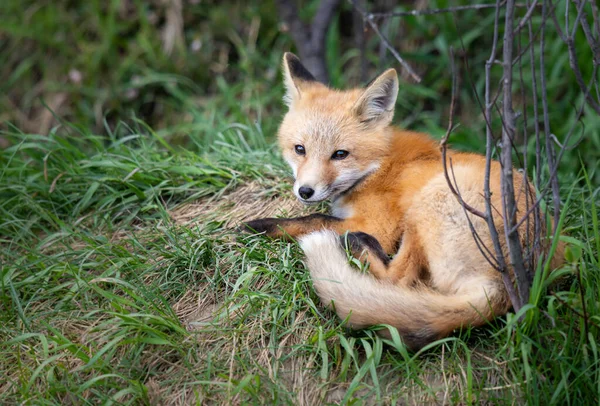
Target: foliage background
(97,63)
(118,116)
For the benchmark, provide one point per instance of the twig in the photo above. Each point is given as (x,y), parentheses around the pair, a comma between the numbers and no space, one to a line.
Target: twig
(370,19)
(526,17)
(485,251)
(441,10)
(568,306)
(508,131)
(502,266)
(537,33)
(596,20)
(537,220)
(549,148)
(570,41)
(518,257)
(444,142)
(554,171)
(528,192)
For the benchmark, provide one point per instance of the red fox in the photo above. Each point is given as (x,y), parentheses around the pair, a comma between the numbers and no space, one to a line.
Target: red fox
(388,190)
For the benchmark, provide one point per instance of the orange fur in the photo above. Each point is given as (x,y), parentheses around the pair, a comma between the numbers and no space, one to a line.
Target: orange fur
(391,186)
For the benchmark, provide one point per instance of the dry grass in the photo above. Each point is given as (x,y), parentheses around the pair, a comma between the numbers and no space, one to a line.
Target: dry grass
(179,308)
(246,202)
(291,361)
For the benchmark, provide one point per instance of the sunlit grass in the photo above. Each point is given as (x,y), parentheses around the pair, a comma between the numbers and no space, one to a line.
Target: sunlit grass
(107,297)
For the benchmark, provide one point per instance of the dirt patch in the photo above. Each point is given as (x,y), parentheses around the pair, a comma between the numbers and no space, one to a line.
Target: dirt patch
(249,201)
(199,307)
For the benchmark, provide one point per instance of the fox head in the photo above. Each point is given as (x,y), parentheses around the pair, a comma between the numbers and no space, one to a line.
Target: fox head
(333,139)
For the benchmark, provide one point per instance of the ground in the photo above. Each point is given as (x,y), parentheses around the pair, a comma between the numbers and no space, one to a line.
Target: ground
(124,280)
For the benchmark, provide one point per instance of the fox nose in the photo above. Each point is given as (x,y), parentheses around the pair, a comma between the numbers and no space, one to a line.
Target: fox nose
(305,192)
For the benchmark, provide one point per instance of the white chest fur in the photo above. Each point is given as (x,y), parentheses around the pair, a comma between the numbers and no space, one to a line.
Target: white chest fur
(341,209)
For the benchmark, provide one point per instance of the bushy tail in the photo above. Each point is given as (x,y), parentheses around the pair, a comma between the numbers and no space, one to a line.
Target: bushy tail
(421,315)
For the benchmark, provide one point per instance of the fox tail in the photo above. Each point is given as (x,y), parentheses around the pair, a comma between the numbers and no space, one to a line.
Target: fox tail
(420,314)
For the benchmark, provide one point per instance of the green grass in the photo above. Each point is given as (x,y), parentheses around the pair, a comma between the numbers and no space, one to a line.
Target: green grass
(108,298)
(123,279)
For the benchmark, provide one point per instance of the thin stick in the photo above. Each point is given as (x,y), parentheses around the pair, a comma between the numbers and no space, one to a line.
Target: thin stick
(444,142)
(485,251)
(549,149)
(526,18)
(508,284)
(568,306)
(370,19)
(442,10)
(537,220)
(508,131)
(453,185)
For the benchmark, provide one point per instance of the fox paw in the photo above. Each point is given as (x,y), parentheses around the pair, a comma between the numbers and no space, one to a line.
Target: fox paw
(268,226)
(357,242)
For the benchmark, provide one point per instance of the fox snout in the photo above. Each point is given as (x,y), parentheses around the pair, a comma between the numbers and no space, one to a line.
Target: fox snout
(313,180)
(306,192)
(309,193)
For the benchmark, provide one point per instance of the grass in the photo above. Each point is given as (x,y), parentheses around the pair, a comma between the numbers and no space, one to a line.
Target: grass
(122,277)
(124,281)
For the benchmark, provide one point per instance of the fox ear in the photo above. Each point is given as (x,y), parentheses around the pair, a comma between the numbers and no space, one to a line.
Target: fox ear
(295,76)
(376,104)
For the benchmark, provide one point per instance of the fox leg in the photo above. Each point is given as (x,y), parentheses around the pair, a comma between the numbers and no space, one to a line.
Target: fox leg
(404,269)
(296,227)
(409,264)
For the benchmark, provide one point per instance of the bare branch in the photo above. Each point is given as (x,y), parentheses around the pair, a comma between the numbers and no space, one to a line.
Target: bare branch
(508,131)
(526,17)
(529,194)
(584,317)
(453,185)
(549,147)
(537,220)
(442,10)
(554,170)
(444,142)
(485,251)
(488,162)
(596,20)
(594,43)
(370,19)
(500,263)
(569,39)
(520,253)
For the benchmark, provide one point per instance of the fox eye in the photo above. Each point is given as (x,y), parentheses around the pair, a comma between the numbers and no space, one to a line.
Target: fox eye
(340,154)
(300,149)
